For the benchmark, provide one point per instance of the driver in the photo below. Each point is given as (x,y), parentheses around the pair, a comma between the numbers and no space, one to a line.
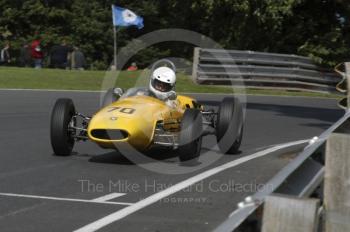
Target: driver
(162,85)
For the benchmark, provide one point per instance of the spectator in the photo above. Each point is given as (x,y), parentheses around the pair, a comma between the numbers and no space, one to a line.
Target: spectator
(5,54)
(132,67)
(59,55)
(77,59)
(37,53)
(25,56)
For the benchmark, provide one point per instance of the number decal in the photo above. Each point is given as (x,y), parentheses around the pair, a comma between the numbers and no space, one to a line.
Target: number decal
(127,110)
(122,110)
(113,109)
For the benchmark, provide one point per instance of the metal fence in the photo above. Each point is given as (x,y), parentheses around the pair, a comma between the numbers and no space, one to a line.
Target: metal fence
(248,69)
(302,176)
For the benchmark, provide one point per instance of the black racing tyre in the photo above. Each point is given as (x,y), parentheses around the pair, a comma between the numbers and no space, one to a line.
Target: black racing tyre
(109,97)
(229,125)
(62,141)
(190,138)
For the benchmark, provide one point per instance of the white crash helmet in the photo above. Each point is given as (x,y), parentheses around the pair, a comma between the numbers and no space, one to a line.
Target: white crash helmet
(162,82)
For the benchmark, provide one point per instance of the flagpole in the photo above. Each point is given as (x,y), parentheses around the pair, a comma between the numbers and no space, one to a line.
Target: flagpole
(136,21)
(115,42)
(115,47)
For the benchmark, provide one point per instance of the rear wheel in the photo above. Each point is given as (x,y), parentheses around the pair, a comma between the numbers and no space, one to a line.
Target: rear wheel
(190,140)
(62,140)
(230,123)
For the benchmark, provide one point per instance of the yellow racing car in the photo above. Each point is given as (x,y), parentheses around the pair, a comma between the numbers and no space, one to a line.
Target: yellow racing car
(136,120)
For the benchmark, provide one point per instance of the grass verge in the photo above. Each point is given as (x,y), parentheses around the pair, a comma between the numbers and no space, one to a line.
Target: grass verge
(26,78)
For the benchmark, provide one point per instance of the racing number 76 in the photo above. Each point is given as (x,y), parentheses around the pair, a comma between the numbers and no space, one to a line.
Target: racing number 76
(122,110)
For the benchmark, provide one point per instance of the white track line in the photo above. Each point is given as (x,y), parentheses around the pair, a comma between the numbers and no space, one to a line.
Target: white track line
(108,197)
(64,199)
(178,187)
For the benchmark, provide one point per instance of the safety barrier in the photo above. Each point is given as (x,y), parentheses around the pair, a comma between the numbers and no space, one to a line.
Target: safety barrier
(248,69)
(325,160)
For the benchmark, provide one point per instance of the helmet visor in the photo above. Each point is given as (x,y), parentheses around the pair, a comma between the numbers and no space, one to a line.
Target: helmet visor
(161,86)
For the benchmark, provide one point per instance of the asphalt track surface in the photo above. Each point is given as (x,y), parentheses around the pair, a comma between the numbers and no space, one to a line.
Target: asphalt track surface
(42,192)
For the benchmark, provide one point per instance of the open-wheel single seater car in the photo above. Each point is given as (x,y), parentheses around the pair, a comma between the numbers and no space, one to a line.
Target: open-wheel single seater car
(135,119)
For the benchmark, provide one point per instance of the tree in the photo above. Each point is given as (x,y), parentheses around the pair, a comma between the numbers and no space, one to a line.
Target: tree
(319,29)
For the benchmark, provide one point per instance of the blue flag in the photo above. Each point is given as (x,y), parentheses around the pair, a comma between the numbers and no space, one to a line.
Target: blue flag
(125,18)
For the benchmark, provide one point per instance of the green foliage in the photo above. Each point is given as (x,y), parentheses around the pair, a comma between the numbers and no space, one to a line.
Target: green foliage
(316,28)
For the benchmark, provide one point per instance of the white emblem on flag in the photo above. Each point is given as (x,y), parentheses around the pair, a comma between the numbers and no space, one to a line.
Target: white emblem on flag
(129,16)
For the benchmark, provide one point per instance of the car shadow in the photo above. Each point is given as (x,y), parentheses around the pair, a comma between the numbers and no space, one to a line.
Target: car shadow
(116,157)
(154,155)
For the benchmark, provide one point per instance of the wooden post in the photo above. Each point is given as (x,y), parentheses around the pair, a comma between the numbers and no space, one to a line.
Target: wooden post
(195,64)
(290,214)
(337,184)
(347,71)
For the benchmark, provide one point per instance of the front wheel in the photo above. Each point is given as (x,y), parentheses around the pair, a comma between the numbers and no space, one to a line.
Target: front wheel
(229,127)
(62,139)
(190,140)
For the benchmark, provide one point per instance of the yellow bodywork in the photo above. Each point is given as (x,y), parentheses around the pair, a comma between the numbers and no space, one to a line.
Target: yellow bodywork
(137,117)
